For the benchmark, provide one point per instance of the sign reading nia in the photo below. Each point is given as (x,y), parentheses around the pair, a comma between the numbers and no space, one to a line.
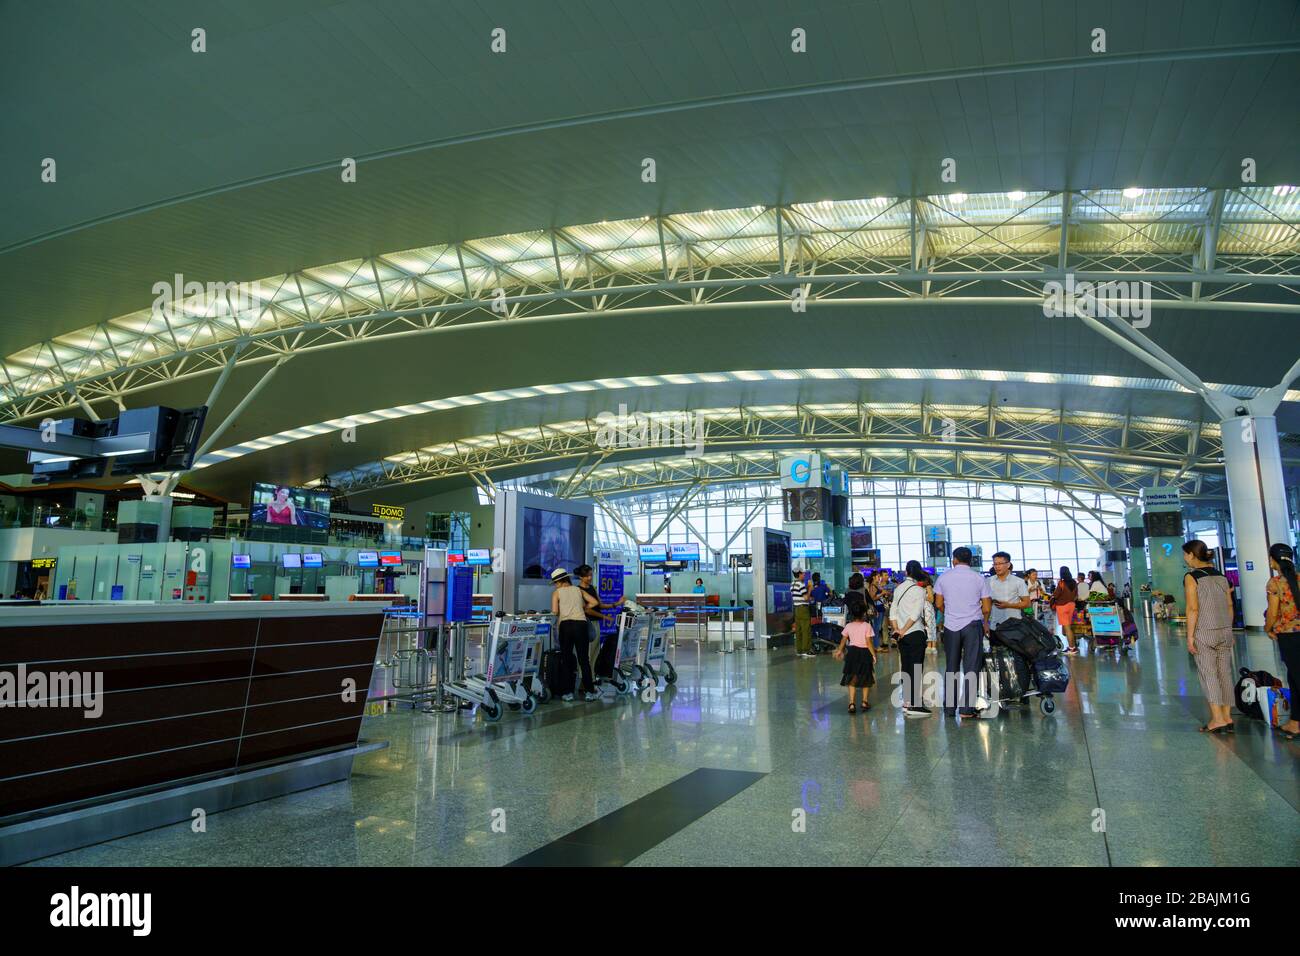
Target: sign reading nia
(641,430)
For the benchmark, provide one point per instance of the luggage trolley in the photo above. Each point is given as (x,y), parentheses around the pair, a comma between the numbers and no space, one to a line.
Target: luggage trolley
(1039,656)
(1107,627)
(511,657)
(633,634)
(653,662)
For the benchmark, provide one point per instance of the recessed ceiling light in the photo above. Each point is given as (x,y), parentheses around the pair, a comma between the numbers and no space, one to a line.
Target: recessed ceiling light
(957,198)
(1132,192)
(1015,195)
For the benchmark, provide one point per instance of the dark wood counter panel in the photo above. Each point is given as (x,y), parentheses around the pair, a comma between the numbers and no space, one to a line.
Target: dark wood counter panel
(187,692)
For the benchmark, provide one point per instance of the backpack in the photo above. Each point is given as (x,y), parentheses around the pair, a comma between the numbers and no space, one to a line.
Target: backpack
(1248,688)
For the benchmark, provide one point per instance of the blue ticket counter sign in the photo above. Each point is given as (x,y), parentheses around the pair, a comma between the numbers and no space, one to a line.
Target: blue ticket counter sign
(460,593)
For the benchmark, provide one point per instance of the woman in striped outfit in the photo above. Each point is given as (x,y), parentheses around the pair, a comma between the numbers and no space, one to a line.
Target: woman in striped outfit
(1209,633)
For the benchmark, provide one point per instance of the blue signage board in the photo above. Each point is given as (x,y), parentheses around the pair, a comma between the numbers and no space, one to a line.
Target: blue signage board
(654,552)
(609,588)
(781,601)
(460,593)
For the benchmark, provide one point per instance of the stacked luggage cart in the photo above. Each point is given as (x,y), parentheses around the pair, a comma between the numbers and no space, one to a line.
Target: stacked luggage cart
(641,651)
(509,667)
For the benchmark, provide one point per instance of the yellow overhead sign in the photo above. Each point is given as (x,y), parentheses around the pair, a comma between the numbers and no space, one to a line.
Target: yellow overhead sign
(388,511)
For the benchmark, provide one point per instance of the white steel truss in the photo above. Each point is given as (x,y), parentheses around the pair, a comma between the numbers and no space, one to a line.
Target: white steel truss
(1093,453)
(1199,248)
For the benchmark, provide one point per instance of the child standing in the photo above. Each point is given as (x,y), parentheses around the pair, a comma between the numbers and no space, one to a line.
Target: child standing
(860,661)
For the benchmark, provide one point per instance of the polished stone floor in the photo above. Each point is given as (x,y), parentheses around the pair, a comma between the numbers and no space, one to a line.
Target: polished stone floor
(1118,775)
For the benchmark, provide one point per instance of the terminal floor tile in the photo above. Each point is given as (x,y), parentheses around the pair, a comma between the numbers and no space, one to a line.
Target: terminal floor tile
(751,759)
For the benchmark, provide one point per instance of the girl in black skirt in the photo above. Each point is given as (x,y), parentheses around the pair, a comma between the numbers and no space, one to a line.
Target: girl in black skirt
(860,660)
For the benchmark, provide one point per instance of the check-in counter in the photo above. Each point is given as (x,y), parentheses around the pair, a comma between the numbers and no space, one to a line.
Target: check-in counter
(670,601)
(189,693)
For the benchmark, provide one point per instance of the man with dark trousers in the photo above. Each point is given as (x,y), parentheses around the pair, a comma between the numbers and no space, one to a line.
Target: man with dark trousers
(963,595)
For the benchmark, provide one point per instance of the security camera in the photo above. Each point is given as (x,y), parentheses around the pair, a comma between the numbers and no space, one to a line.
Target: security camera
(1241,411)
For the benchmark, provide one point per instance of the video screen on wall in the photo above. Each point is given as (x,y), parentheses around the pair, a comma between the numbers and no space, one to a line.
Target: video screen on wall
(552,539)
(285,505)
(1163,524)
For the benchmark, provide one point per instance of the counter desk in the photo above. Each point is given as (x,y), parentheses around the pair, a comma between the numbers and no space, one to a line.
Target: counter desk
(118,718)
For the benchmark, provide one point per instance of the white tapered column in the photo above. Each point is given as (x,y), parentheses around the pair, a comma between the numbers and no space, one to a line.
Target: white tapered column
(1252,460)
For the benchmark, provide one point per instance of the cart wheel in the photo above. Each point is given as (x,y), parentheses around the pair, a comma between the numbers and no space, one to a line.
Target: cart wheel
(545,695)
(620,685)
(1046,705)
(491,711)
(640,672)
(671,673)
(529,705)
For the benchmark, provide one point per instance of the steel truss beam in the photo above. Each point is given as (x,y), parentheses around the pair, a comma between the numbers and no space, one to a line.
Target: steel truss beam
(884,252)
(1086,452)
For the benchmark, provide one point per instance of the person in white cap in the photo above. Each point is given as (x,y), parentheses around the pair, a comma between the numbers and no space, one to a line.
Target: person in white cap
(569,605)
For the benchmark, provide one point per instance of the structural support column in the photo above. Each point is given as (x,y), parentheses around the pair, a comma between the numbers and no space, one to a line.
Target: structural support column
(1252,461)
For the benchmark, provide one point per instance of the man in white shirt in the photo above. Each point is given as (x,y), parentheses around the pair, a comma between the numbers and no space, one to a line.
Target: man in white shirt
(1010,592)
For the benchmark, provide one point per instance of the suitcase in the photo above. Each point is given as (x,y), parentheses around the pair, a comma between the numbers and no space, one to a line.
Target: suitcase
(559,680)
(605,659)
(990,689)
(1013,673)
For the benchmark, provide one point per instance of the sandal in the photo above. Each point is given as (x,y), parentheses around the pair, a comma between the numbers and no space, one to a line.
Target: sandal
(852,709)
(1287,734)
(1221,729)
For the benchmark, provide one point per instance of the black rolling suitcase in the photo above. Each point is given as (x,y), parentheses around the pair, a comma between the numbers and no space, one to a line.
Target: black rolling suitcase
(559,680)
(1013,673)
(605,659)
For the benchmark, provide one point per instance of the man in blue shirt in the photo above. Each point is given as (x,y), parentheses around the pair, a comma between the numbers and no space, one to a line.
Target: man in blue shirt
(821,591)
(963,595)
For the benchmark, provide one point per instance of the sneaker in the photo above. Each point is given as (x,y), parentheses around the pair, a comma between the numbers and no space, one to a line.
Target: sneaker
(591,695)
(569,697)
(916,712)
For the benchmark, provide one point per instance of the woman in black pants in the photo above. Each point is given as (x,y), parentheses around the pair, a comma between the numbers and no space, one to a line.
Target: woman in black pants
(1282,622)
(907,618)
(569,604)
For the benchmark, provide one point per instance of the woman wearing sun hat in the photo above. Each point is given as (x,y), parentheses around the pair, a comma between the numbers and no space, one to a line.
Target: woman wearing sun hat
(569,605)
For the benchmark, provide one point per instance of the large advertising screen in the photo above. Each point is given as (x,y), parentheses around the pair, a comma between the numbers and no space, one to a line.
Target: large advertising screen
(552,539)
(285,505)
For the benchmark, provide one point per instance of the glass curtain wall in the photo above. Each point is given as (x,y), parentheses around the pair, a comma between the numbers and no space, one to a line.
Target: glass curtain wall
(1040,527)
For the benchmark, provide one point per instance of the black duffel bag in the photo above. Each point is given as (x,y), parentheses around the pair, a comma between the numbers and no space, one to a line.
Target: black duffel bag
(1026,637)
